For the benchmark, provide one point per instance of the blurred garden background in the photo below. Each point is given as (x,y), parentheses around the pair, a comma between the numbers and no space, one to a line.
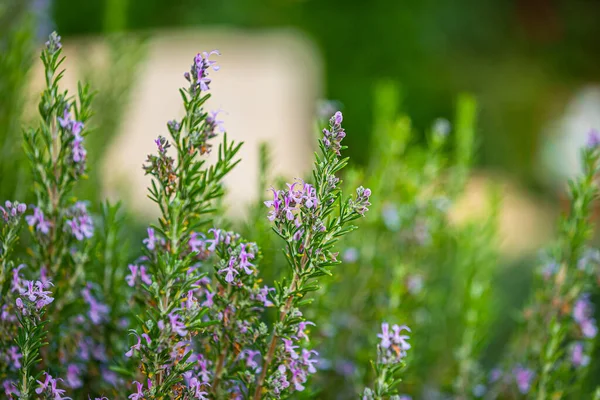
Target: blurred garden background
(531,64)
(522,75)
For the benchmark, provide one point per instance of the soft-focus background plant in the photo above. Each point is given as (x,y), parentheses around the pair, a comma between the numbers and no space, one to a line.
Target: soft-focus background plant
(457,270)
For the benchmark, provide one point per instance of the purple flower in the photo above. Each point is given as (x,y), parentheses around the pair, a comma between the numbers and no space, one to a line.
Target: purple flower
(209,299)
(593,138)
(495,375)
(204,372)
(15,357)
(398,339)
(309,362)
(230,270)
(262,296)
(385,335)
(130,279)
(197,242)
(81,224)
(139,395)
(350,255)
(73,376)
(289,348)
(393,346)
(135,272)
(578,357)
(10,387)
(523,378)
(36,295)
(300,333)
(79,152)
(135,347)
(38,221)
(249,355)
(177,325)
(276,203)
(244,257)
(199,71)
(196,385)
(51,383)
(582,314)
(151,240)
(213,123)
(98,311)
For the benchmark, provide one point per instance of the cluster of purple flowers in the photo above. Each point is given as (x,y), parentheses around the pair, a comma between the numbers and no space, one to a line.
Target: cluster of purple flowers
(294,367)
(198,75)
(582,314)
(49,388)
(240,261)
(361,203)
(287,204)
(80,223)
(12,211)
(138,271)
(74,127)
(34,297)
(333,136)
(393,345)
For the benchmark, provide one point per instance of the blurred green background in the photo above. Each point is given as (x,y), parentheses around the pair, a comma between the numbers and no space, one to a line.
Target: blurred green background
(522,59)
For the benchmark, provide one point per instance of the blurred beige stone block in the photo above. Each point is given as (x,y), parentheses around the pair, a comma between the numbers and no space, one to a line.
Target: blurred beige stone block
(267,86)
(525,224)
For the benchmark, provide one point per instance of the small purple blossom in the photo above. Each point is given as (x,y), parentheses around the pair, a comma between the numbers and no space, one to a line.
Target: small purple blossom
(229,270)
(10,387)
(151,240)
(139,394)
(177,325)
(582,314)
(301,332)
(38,221)
(523,378)
(138,345)
(14,357)
(198,75)
(49,387)
(578,356)
(593,139)
(290,348)
(98,311)
(73,376)
(249,356)
(12,211)
(135,272)
(81,223)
